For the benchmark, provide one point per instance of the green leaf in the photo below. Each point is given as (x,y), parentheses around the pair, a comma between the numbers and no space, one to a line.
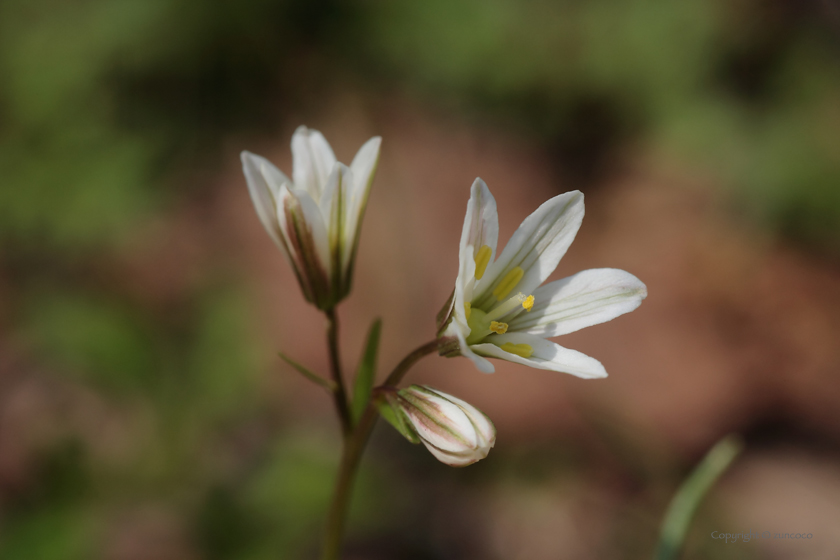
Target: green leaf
(691,493)
(391,412)
(366,373)
(314,377)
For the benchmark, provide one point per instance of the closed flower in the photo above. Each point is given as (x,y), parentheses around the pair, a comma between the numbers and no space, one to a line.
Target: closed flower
(454,431)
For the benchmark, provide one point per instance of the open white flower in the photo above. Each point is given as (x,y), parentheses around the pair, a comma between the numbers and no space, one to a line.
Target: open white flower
(498,308)
(453,430)
(315,220)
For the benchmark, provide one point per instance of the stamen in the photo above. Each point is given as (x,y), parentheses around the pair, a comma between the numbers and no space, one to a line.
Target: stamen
(528,304)
(521,350)
(498,328)
(482,259)
(467,309)
(509,282)
(506,307)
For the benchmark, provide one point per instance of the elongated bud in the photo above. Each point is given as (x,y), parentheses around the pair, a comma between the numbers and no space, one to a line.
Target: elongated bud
(454,431)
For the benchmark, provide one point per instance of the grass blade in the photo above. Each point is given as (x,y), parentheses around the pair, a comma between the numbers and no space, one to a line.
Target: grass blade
(691,493)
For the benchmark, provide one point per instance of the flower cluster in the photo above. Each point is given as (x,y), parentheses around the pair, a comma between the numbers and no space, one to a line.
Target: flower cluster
(499,308)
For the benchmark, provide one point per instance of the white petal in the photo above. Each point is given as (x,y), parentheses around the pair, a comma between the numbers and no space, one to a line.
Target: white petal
(481,227)
(456,459)
(585,299)
(457,328)
(364,164)
(363,168)
(481,224)
(312,233)
(537,246)
(312,161)
(547,355)
(334,210)
(466,269)
(482,424)
(264,181)
(441,423)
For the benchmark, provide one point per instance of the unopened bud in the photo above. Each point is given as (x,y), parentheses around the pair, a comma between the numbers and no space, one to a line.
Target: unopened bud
(455,432)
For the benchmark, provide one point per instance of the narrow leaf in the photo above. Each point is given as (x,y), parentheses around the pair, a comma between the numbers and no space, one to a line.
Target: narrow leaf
(366,372)
(314,377)
(691,493)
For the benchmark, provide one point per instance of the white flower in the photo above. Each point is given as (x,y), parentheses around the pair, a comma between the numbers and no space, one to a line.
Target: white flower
(315,220)
(498,308)
(455,432)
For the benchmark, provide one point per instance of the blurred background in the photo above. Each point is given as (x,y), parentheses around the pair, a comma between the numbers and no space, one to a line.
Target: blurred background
(144,413)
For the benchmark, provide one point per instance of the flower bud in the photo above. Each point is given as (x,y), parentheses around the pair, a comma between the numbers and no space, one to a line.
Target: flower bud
(454,431)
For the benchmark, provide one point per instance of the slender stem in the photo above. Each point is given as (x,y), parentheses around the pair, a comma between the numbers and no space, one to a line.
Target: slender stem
(406,363)
(354,447)
(339,394)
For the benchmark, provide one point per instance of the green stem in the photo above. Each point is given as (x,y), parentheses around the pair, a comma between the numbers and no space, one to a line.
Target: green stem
(339,393)
(354,447)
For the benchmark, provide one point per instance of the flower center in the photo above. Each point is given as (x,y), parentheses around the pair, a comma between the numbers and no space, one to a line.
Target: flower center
(484,323)
(481,326)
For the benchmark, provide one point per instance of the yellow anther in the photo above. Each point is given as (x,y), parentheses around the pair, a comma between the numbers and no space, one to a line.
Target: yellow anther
(509,282)
(528,304)
(482,259)
(467,309)
(498,328)
(521,350)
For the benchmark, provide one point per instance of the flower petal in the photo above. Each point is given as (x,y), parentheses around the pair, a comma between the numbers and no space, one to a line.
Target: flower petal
(481,224)
(333,206)
(484,428)
(264,181)
(363,168)
(440,422)
(537,246)
(312,161)
(481,227)
(456,328)
(454,459)
(303,228)
(547,355)
(585,299)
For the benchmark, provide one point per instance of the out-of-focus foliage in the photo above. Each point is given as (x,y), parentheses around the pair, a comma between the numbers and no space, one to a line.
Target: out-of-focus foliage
(98,98)
(113,94)
(749,89)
